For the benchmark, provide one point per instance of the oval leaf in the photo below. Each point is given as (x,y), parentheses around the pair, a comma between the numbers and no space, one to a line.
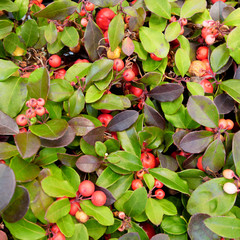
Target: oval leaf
(88,163)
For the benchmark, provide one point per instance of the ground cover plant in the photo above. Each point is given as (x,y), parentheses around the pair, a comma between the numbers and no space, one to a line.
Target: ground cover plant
(119,119)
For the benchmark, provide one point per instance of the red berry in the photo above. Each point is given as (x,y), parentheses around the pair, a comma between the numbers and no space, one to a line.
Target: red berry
(105,111)
(230,124)
(81,61)
(214,1)
(222,124)
(136,91)
(60,73)
(89,6)
(86,188)
(30,113)
(202,53)
(99,198)
(199,164)
(207,86)
(74,207)
(58,236)
(105,35)
(40,102)
(55,229)
(121,215)
(84,22)
(105,118)
(135,69)
(32,102)
(40,111)
(136,183)
(210,39)
(207,64)
(2,161)
(81,216)
(22,130)
(154,57)
(148,160)
(118,64)
(160,194)
(148,228)
(158,184)
(205,32)
(104,17)
(128,75)
(184,21)
(82,13)
(60,198)
(54,61)
(21,120)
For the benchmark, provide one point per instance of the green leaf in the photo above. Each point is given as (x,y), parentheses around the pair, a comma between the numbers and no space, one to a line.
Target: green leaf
(172,31)
(100,149)
(139,50)
(163,8)
(135,233)
(57,10)
(76,103)
(167,206)
(190,8)
(50,33)
(71,176)
(233,18)
(50,130)
(102,214)
(170,179)
(174,225)
(7,68)
(55,187)
(172,107)
(70,37)
(136,204)
(38,84)
(149,180)
(227,227)
(232,88)
(115,37)
(57,210)
(182,61)
(210,198)
(93,94)
(154,41)
(30,32)
(24,229)
(7,150)
(81,232)
(8,5)
(56,46)
(66,225)
(13,45)
(203,111)
(94,229)
(219,57)
(154,211)
(236,151)
(195,88)
(27,143)
(23,170)
(6,27)
(107,178)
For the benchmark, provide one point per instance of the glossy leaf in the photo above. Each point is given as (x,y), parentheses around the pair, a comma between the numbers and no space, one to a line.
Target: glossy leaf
(107,178)
(81,125)
(166,92)
(162,8)
(167,206)
(174,225)
(236,151)
(182,61)
(233,18)
(76,103)
(130,236)
(128,46)
(94,228)
(160,236)
(7,150)
(170,179)
(97,134)
(7,68)
(172,31)
(209,198)
(7,185)
(5,28)
(50,33)
(27,143)
(189,8)
(88,163)
(203,111)
(70,37)
(136,22)
(233,43)
(66,225)
(224,103)
(18,205)
(7,125)
(196,142)
(154,211)
(232,88)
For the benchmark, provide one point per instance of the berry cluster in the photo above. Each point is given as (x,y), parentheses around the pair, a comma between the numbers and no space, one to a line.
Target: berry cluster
(229,187)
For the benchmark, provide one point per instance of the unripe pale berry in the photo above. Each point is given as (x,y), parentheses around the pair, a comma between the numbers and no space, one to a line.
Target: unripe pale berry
(81,216)
(228,173)
(210,39)
(121,215)
(230,188)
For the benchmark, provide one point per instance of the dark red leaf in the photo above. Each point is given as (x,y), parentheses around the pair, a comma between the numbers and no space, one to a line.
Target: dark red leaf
(97,134)
(81,125)
(88,163)
(177,137)
(153,117)
(7,125)
(224,103)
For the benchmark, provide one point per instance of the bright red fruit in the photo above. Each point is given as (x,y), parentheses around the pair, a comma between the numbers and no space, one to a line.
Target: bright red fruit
(21,120)
(206,32)
(128,75)
(202,53)
(148,228)
(32,103)
(154,57)
(82,13)
(105,35)
(60,73)
(89,6)
(2,161)
(54,61)
(55,229)
(118,64)
(30,113)
(158,184)
(81,61)
(199,164)
(86,188)
(207,86)
(136,91)
(40,102)
(104,17)
(230,124)
(74,207)
(99,198)
(40,111)
(105,118)
(136,183)
(222,123)
(135,69)
(214,1)
(58,236)
(148,160)
(160,194)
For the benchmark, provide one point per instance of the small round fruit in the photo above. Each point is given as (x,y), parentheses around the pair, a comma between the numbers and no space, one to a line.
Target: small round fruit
(84,22)
(114,54)
(148,228)
(228,173)
(82,13)
(154,57)
(60,73)
(99,198)
(86,188)
(40,102)
(199,164)
(105,118)
(54,61)
(214,1)
(230,124)
(140,173)
(222,123)
(135,91)
(160,194)
(128,75)
(184,21)
(118,64)
(148,160)
(74,207)
(30,113)
(89,6)
(158,184)
(21,120)
(207,64)
(202,53)
(81,216)
(40,111)
(230,188)
(81,61)
(121,215)
(136,183)
(135,69)
(105,35)
(58,236)
(55,229)
(206,32)
(2,161)
(32,102)
(197,68)
(104,17)
(75,49)
(210,39)
(207,86)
